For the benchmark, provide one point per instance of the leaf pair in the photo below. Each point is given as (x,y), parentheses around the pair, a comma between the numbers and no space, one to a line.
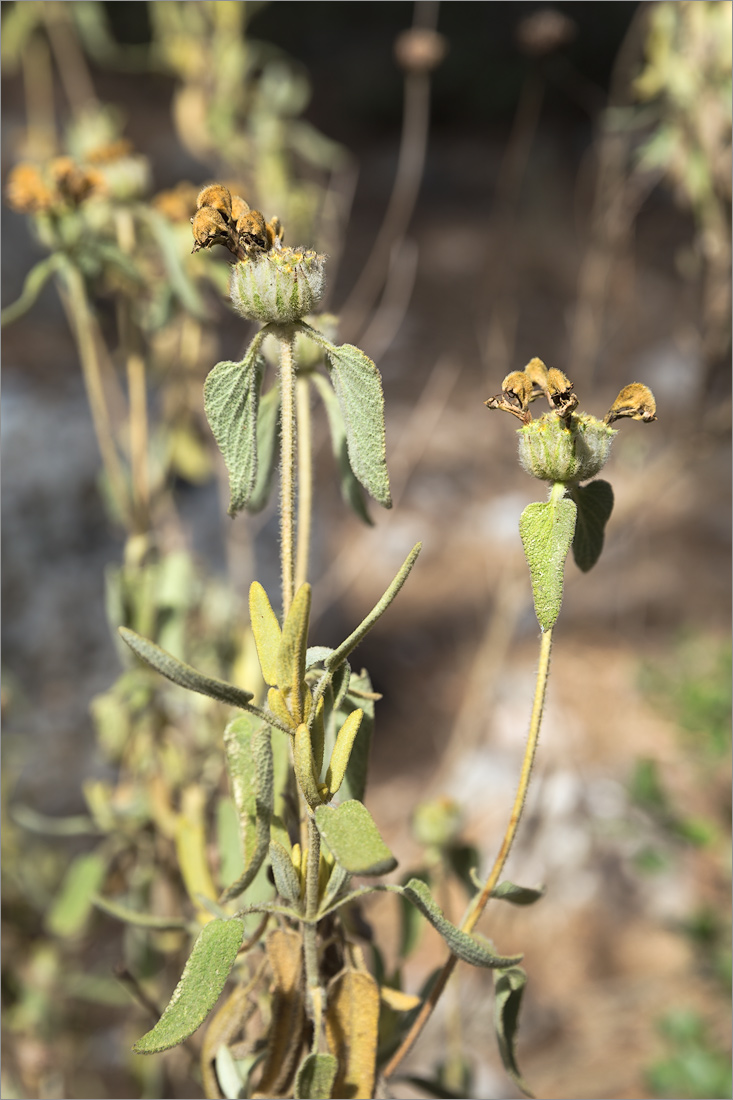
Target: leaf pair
(245,427)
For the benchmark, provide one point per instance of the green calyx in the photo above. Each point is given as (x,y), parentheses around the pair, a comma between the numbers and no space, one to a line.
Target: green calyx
(552,450)
(282,285)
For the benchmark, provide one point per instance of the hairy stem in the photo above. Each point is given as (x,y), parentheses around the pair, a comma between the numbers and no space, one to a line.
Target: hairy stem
(471,919)
(314,992)
(305,481)
(287,469)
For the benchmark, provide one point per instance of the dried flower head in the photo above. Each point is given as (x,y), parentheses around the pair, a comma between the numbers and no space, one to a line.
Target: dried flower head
(270,282)
(563,446)
(26,191)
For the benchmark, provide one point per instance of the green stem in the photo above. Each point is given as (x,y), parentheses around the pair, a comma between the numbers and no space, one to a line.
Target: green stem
(472,917)
(287,468)
(305,480)
(310,931)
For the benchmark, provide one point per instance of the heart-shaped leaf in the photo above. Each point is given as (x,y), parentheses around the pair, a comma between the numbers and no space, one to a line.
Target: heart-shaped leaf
(547,531)
(595,504)
(231,401)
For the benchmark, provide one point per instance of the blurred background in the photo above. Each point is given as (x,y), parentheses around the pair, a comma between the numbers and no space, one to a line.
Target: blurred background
(505,181)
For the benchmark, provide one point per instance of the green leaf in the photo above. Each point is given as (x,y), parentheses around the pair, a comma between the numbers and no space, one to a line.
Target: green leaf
(134,917)
(353,838)
(286,880)
(460,943)
(74,901)
(342,652)
(291,654)
(231,401)
(249,762)
(517,895)
(508,991)
(411,924)
(342,751)
(547,531)
(166,239)
(304,766)
(358,387)
(351,490)
(266,630)
(182,674)
(200,987)
(315,1077)
(228,841)
(268,433)
(355,780)
(595,504)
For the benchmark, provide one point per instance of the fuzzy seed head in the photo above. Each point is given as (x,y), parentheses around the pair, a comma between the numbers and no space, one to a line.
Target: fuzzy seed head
(280,285)
(551,451)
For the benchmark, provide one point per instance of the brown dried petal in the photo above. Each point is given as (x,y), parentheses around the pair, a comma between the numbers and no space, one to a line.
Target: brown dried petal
(208,228)
(26,190)
(217,196)
(635,401)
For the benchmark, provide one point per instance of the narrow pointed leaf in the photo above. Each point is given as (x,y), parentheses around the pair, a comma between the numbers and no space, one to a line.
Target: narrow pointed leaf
(268,432)
(286,880)
(231,402)
(249,762)
(355,780)
(315,1077)
(547,531)
(182,674)
(460,943)
(358,387)
(134,917)
(353,839)
(266,630)
(517,895)
(595,504)
(304,766)
(201,984)
(352,1020)
(342,652)
(342,751)
(351,490)
(34,283)
(291,655)
(508,991)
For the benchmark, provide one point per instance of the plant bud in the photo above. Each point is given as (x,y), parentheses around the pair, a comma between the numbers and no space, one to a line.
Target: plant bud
(552,451)
(281,285)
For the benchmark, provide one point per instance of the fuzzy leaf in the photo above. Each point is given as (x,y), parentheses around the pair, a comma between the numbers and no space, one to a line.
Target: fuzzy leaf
(249,762)
(353,838)
(351,490)
(74,901)
(291,655)
(34,283)
(355,780)
(460,943)
(286,880)
(182,674)
(547,531)
(517,895)
(352,1020)
(595,504)
(231,401)
(202,981)
(266,630)
(342,751)
(285,954)
(315,1077)
(358,387)
(303,764)
(342,652)
(508,991)
(268,431)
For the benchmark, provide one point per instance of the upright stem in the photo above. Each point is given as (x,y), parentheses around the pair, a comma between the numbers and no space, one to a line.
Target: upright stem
(471,919)
(310,950)
(305,480)
(287,469)
(80,317)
